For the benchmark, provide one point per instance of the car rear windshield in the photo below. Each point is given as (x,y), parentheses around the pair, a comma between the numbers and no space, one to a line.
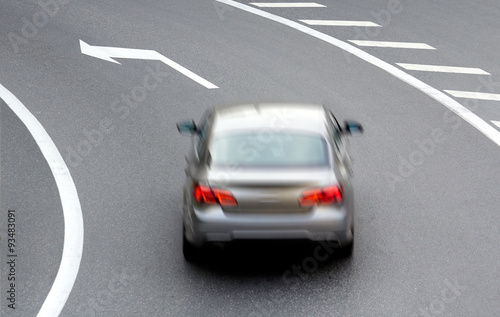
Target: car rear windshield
(269,149)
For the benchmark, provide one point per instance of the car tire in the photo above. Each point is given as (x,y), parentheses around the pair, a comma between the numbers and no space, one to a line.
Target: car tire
(346,250)
(191,252)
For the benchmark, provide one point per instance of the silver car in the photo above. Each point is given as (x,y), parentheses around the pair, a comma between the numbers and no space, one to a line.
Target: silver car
(268,171)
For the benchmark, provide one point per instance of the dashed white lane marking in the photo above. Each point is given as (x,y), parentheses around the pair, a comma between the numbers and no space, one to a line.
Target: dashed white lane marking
(497,123)
(443,69)
(287,4)
(485,128)
(474,95)
(340,23)
(72,211)
(418,46)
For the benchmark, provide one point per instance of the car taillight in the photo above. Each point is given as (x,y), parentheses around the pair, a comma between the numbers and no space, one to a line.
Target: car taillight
(321,196)
(212,196)
(203,194)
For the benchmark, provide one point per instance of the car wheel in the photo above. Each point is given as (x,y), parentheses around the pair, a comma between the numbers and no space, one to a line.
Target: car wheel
(347,250)
(191,252)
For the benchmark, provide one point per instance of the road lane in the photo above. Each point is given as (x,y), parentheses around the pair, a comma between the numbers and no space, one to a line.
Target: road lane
(417,232)
(27,187)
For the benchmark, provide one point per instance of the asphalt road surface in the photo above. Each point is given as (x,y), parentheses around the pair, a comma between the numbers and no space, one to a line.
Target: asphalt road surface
(426,179)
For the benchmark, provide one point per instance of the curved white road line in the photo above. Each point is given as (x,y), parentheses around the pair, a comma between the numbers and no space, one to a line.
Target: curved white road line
(73,220)
(492,133)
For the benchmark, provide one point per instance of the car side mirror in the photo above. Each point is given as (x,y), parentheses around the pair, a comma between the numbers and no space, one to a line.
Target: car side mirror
(353,127)
(187,127)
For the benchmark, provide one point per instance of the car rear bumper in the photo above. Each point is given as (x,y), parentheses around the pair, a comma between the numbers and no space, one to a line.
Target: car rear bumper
(321,224)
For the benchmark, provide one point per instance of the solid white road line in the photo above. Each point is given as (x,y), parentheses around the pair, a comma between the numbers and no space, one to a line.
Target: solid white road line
(492,133)
(287,4)
(107,53)
(497,123)
(443,69)
(72,211)
(418,46)
(340,23)
(474,95)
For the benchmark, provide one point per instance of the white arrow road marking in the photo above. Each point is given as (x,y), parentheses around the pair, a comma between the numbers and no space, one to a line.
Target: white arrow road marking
(497,123)
(417,46)
(444,69)
(474,95)
(72,211)
(341,23)
(489,131)
(108,53)
(287,4)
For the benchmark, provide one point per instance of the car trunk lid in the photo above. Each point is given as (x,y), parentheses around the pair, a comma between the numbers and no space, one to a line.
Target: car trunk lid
(264,191)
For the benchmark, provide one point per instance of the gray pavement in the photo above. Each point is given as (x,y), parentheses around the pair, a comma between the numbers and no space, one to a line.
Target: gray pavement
(427,221)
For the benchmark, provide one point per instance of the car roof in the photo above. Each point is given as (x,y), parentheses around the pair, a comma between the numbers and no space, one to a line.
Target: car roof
(273,116)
